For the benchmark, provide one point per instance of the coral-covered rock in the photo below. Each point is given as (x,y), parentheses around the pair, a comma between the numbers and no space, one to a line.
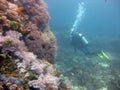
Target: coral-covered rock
(50,81)
(65,85)
(37,10)
(27,47)
(51,36)
(3,5)
(40,44)
(37,73)
(11,11)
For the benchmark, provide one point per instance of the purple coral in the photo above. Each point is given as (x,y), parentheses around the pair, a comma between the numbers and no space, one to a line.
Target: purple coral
(16,44)
(34,19)
(40,44)
(30,60)
(37,9)
(43,80)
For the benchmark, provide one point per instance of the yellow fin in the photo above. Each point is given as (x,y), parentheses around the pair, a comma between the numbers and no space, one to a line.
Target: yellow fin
(103,55)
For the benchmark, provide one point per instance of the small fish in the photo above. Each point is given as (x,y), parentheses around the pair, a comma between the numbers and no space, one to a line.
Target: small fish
(20,9)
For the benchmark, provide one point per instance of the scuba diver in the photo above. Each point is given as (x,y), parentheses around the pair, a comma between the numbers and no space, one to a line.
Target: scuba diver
(79,41)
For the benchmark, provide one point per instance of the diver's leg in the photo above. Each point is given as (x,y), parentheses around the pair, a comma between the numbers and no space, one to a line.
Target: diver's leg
(88,53)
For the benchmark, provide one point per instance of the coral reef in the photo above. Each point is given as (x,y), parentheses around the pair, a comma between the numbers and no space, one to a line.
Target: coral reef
(3,5)
(37,11)
(27,47)
(41,45)
(30,18)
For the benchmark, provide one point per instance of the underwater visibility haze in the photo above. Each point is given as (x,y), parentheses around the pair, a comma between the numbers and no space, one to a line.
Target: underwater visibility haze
(59,45)
(98,21)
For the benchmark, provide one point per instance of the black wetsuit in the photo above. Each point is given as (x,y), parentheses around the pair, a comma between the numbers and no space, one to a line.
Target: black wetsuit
(78,43)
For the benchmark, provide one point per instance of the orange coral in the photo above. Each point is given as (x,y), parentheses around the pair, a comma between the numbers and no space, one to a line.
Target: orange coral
(20,9)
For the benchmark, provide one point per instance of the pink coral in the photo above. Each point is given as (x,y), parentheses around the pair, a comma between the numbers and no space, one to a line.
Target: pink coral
(12,6)
(30,60)
(2,39)
(37,9)
(3,5)
(52,82)
(15,45)
(11,11)
(40,44)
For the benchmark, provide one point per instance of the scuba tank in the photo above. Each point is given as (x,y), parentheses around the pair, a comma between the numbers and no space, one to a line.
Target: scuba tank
(84,40)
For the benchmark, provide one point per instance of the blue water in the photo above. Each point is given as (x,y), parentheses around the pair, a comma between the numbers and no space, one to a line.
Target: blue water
(101,17)
(101,26)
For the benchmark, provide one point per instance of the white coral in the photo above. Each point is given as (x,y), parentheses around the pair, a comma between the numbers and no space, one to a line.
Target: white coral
(52,81)
(21,65)
(38,84)
(22,70)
